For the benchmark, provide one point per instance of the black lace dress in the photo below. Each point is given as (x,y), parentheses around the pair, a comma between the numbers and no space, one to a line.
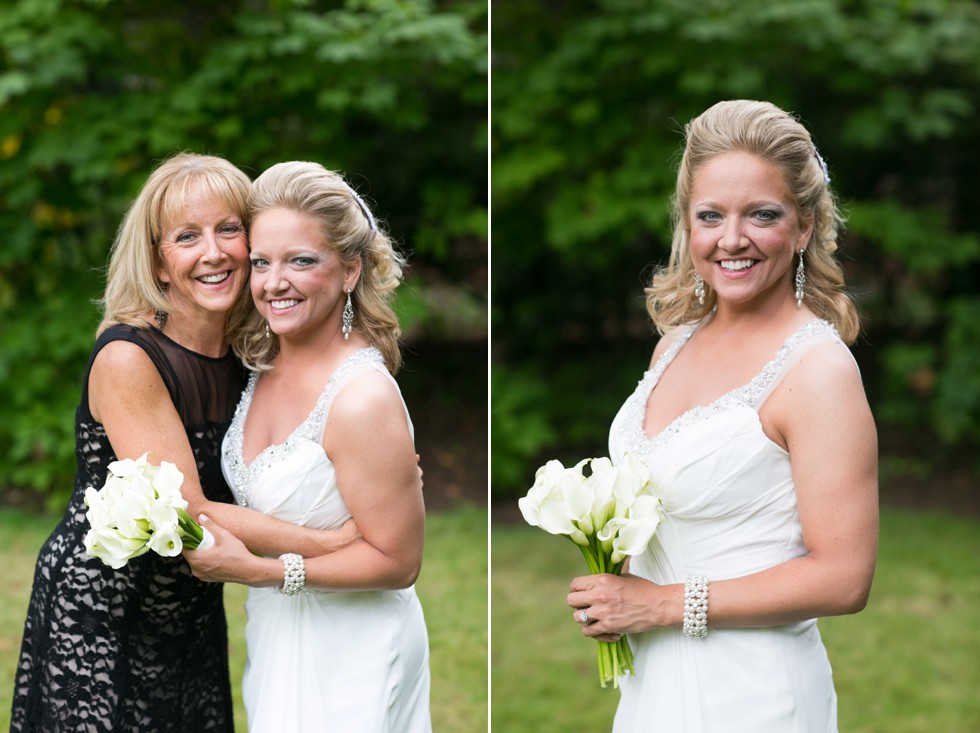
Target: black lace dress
(142,648)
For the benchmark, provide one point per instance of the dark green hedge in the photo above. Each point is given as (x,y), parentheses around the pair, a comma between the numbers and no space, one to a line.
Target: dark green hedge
(589,99)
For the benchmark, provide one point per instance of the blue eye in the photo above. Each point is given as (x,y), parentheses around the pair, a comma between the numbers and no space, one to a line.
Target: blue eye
(185,237)
(708,216)
(258,263)
(232,230)
(768,215)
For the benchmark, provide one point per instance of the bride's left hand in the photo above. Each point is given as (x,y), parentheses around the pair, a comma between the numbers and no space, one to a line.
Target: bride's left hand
(226,561)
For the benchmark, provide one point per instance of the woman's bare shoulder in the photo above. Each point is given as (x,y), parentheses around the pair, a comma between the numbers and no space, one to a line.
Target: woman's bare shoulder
(666,341)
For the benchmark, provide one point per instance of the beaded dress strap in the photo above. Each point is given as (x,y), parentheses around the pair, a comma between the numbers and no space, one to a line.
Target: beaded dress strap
(310,429)
(364,360)
(818,331)
(750,395)
(668,356)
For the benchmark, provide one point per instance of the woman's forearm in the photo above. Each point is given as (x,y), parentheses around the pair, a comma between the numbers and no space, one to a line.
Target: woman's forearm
(796,590)
(356,567)
(267,535)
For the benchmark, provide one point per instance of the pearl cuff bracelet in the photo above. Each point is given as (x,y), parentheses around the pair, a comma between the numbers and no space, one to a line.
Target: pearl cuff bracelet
(294,574)
(696,607)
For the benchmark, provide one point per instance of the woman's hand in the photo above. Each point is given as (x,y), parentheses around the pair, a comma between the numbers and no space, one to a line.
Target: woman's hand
(332,540)
(226,561)
(623,604)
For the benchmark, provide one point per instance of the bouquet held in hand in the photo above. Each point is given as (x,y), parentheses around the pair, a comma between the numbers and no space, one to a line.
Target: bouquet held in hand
(139,509)
(611,514)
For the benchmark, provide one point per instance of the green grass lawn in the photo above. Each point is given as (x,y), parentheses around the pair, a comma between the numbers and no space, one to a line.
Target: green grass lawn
(909,663)
(452,588)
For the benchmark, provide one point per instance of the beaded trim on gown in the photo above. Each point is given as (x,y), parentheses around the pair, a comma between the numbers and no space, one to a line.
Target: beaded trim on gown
(729,510)
(143,647)
(321,660)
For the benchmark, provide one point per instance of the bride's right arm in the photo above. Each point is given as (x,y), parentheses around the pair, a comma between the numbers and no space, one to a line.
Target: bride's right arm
(368,440)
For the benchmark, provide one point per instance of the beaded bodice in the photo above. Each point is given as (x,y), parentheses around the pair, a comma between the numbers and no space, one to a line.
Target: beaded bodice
(241,474)
(751,394)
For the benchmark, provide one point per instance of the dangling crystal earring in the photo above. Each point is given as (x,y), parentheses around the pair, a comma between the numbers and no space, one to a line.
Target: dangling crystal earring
(800,280)
(268,333)
(161,318)
(699,288)
(348,317)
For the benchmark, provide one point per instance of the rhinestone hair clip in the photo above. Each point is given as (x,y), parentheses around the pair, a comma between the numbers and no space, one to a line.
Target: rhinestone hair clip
(367,212)
(820,160)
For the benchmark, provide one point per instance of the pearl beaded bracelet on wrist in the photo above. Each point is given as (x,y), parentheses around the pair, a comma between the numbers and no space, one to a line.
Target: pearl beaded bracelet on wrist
(294,574)
(696,607)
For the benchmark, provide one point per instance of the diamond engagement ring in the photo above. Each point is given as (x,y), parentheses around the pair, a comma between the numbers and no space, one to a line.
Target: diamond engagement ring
(584,617)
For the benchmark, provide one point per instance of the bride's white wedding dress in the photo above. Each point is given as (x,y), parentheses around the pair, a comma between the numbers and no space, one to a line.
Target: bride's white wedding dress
(344,662)
(729,510)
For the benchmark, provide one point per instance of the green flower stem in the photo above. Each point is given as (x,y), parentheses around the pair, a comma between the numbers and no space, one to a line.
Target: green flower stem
(602,557)
(191,530)
(615,658)
(590,557)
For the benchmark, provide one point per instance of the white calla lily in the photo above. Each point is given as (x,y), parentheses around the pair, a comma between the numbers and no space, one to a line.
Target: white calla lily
(166,540)
(138,509)
(129,514)
(601,484)
(161,514)
(547,502)
(611,513)
(633,538)
(578,498)
(126,467)
(608,534)
(167,485)
(98,513)
(112,548)
(632,480)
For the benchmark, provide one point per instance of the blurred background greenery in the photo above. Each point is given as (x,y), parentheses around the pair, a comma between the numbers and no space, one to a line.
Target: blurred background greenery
(94,93)
(589,99)
(393,93)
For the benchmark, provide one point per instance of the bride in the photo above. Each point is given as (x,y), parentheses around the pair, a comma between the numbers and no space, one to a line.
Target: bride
(321,435)
(754,423)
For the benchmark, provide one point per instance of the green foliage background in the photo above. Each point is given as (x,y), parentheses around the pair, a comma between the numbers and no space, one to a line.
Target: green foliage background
(93,93)
(589,98)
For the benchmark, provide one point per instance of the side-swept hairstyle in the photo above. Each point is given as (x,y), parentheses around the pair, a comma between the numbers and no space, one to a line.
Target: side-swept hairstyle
(761,129)
(350,229)
(133,289)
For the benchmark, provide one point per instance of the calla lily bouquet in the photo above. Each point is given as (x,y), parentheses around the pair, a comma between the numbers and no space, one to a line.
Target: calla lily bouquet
(139,509)
(610,514)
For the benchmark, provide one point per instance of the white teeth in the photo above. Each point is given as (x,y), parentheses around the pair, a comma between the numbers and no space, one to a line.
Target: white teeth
(736,264)
(216,278)
(284,303)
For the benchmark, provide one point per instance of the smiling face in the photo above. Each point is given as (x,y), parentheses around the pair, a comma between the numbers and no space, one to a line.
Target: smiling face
(203,257)
(744,229)
(298,282)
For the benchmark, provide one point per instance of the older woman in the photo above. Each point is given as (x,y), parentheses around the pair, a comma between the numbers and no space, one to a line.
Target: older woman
(145,647)
(322,435)
(754,423)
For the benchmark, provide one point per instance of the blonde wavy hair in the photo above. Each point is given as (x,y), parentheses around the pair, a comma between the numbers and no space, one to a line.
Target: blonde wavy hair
(351,230)
(133,289)
(761,129)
